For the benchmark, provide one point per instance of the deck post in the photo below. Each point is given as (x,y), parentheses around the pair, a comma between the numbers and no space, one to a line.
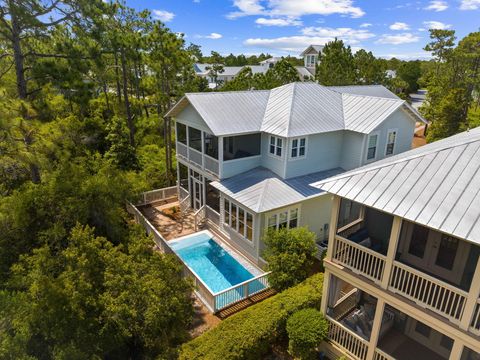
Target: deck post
(377,323)
(457,350)
(326,285)
(472,298)
(332,231)
(392,250)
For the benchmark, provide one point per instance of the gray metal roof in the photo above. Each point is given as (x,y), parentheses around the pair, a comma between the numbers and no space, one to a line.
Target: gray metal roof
(317,48)
(437,185)
(262,190)
(296,109)
(368,90)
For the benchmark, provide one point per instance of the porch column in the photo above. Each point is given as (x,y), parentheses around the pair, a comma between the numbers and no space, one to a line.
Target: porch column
(202,136)
(392,250)
(472,299)
(377,323)
(220,157)
(332,231)
(457,350)
(326,285)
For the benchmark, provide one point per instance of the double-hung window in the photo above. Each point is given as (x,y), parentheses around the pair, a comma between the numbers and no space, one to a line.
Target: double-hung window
(372,146)
(391,139)
(298,148)
(276,144)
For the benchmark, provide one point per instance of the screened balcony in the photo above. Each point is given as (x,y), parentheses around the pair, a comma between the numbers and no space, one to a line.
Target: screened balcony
(198,148)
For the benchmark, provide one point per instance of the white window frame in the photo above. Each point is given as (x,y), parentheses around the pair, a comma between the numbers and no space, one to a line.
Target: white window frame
(228,222)
(394,142)
(309,62)
(276,146)
(277,217)
(298,157)
(377,134)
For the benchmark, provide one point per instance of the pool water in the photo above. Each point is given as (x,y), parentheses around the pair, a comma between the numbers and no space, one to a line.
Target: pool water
(212,263)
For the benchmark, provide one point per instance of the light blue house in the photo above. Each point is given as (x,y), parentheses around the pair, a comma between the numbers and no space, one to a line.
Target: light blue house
(247,158)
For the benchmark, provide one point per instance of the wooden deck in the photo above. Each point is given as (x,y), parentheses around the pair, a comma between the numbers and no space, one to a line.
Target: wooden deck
(223,314)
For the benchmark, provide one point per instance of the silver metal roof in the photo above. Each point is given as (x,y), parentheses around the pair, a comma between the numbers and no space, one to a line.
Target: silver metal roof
(296,109)
(368,90)
(317,48)
(437,185)
(262,190)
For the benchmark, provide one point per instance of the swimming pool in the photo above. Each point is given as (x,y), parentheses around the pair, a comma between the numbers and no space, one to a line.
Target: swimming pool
(211,262)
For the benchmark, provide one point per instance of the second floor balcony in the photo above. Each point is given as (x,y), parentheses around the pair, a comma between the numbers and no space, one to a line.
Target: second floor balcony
(222,156)
(432,269)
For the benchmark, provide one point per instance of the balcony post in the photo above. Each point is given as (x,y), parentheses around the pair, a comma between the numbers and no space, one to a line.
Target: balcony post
(377,323)
(202,136)
(326,286)
(332,231)
(220,157)
(457,350)
(472,299)
(392,250)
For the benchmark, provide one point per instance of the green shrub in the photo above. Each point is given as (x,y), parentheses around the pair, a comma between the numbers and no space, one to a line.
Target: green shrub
(249,334)
(306,329)
(290,255)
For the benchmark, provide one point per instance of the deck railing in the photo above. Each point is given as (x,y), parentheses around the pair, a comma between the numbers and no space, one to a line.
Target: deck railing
(212,215)
(354,345)
(359,259)
(198,158)
(475,324)
(427,291)
(382,355)
(158,195)
(241,291)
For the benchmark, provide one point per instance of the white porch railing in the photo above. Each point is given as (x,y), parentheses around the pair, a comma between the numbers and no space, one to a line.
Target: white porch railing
(182,194)
(241,291)
(158,195)
(199,216)
(182,150)
(359,259)
(382,355)
(354,345)
(428,292)
(475,324)
(212,215)
(150,229)
(198,158)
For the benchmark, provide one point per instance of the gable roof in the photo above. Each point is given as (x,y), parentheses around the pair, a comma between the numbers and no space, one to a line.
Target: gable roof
(317,48)
(295,109)
(436,185)
(261,190)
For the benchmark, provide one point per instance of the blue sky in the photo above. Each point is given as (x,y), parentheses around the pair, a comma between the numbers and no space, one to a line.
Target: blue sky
(281,27)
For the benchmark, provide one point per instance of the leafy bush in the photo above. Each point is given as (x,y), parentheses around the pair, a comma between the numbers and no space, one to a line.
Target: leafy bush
(249,334)
(290,255)
(305,329)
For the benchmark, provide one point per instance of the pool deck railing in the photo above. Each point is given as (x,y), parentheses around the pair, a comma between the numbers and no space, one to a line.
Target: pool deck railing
(213,301)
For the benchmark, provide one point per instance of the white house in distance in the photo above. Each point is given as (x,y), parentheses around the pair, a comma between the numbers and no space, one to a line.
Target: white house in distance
(402,270)
(306,72)
(248,157)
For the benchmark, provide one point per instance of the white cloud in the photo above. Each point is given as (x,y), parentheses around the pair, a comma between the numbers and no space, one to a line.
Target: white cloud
(163,15)
(278,22)
(437,5)
(470,5)
(399,26)
(436,25)
(365,25)
(213,36)
(295,8)
(349,35)
(397,39)
(408,56)
(310,35)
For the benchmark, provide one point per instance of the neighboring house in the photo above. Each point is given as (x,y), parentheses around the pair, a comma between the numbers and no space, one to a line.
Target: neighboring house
(402,270)
(311,57)
(230,72)
(248,157)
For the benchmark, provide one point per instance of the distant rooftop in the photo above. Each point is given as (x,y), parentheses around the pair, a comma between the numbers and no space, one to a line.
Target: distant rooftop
(436,185)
